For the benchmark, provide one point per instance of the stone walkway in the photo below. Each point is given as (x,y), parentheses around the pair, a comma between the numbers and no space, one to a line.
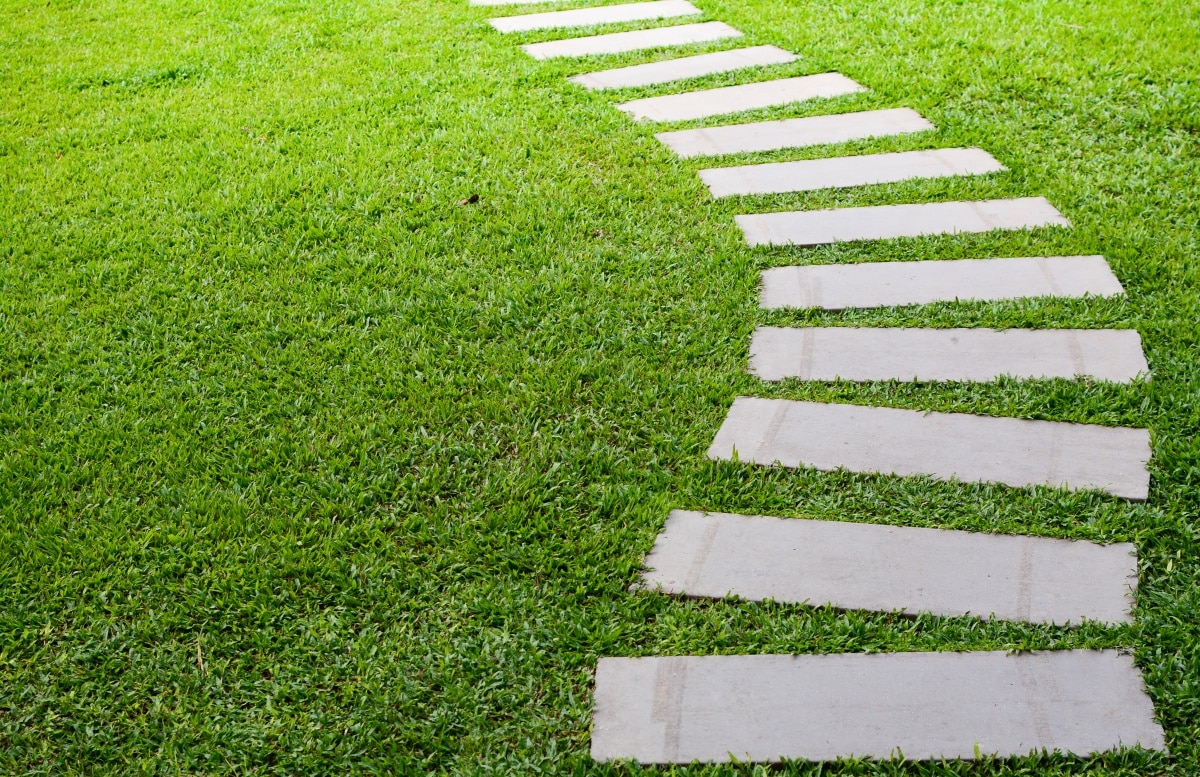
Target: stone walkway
(843,225)
(837,287)
(844,172)
(864,354)
(892,568)
(734,99)
(907,705)
(948,446)
(605,14)
(904,705)
(794,133)
(637,40)
(685,67)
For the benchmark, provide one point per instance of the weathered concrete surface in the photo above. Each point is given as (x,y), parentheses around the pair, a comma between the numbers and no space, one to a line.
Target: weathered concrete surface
(918,706)
(846,171)
(635,40)
(946,446)
(840,225)
(604,14)
(892,568)
(793,133)
(732,99)
(881,284)
(514,2)
(896,353)
(684,67)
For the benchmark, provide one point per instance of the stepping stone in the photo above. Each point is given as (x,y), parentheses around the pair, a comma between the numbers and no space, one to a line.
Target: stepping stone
(915,706)
(605,14)
(844,171)
(684,67)
(637,40)
(793,133)
(892,568)
(862,354)
(733,99)
(841,225)
(513,2)
(883,284)
(945,446)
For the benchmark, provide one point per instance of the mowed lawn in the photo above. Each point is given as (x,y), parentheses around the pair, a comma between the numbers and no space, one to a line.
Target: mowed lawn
(350,361)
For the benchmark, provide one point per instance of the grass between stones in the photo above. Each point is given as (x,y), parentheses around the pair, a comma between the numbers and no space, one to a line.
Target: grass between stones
(307,468)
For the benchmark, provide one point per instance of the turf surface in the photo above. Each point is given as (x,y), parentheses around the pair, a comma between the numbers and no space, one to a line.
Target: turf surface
(350,361)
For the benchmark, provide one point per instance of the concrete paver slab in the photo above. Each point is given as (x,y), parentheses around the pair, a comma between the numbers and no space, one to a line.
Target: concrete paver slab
(604,14)
(892,568)
(793,133)
(970,448)
(635,40)
(684,67)
(514,2)
(918,706)
(844,171)
(732,99)
(895,353)
(838,225)
(882,284)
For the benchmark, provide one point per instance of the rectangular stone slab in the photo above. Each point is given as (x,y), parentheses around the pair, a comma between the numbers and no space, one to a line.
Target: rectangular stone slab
(840,225)
(684,67)
(844,171)
(636,40)
(604,14)
(732,99)
(514,2)
(892,568)
(894,353)
(918,706)
(793,133)
(969,448)
(883,284)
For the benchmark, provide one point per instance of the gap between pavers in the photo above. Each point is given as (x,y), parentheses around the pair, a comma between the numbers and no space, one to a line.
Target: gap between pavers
(968,448)
(840,225)
(916,706)
(892,568)
(884,284)
(734,99)
(586,17)
(845,171)
(635,40)
(678,69)
(793,133)
(898,353)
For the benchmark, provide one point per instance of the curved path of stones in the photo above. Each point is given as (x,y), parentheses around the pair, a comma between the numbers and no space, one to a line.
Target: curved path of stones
(912,705)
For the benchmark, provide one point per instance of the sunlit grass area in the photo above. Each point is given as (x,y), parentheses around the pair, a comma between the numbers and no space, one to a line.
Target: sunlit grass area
(350,361)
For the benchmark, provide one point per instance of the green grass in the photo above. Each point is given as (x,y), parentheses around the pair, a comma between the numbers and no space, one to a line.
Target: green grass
(305,468)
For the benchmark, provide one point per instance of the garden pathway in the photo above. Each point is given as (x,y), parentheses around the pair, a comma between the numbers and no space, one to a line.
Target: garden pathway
(913,705)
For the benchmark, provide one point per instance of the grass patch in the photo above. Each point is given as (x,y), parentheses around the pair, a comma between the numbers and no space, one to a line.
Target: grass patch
(306,467)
